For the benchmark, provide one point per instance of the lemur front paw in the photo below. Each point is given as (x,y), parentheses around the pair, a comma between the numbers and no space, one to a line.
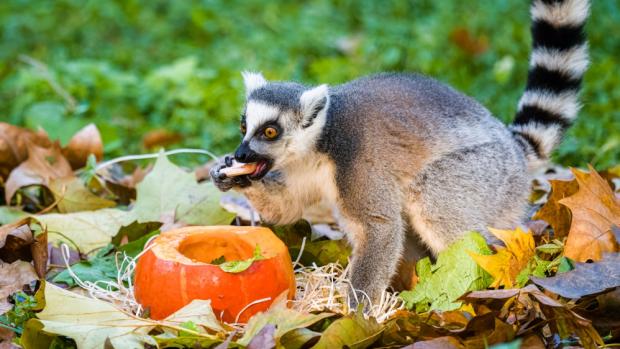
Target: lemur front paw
(222,181)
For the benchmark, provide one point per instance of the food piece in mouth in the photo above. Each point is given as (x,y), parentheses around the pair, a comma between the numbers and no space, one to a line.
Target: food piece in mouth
(239,169)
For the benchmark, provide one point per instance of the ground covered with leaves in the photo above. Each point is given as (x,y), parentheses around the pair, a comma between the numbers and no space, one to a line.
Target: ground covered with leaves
(72,226)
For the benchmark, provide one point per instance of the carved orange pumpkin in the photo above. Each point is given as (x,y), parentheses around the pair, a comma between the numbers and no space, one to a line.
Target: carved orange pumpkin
(176,270)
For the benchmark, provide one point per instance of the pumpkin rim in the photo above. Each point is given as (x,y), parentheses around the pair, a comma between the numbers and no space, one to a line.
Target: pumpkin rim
(169,244)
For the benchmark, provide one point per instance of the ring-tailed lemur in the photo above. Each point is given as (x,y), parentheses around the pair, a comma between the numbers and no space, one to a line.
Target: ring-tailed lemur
(402,154)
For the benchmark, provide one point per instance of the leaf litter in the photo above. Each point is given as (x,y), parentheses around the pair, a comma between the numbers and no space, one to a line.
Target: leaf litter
(85,230)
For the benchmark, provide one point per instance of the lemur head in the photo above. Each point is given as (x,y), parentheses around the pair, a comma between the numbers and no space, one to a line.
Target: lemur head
(281,122)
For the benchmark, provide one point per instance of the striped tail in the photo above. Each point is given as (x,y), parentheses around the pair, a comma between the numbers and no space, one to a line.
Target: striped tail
(559,59)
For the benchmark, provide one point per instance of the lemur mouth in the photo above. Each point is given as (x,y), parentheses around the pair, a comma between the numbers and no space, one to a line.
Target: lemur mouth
(262,167)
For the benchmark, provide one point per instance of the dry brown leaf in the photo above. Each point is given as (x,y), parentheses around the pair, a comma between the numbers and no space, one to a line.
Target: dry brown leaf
(558,216)
(13,146)
(85,142)
(509,261)
(595,210)
(14,276)
(38,249)
(15,241)
(160,138)
(132,180)
(531,300)
(124,187)
(6,336)
(42,165)
(446,342)
(532,341)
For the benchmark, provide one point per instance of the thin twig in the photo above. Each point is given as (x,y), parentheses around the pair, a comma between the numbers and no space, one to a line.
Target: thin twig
(105,164)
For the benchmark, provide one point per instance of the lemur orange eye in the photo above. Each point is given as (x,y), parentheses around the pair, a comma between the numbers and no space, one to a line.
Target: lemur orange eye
(271,132)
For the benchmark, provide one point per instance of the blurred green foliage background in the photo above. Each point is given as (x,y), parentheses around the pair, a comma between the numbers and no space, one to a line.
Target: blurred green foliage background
(133,66)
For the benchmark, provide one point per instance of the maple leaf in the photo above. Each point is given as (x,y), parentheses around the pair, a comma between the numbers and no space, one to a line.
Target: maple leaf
(509,261)
(595,210)
(170,191)
(552,212)
(453,274)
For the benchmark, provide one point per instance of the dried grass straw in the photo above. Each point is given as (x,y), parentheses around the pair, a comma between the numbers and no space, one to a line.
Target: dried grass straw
(119,292)
(324,288)
(327,288)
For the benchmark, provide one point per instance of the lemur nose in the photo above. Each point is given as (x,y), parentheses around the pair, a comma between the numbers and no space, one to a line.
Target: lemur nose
(239,156)
(243,153)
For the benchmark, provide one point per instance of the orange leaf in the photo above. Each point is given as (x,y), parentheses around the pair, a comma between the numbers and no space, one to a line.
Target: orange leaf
(595,210)
(558,216)
(509,261)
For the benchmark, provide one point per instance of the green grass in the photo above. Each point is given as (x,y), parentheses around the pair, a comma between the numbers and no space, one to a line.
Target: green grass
(133,66)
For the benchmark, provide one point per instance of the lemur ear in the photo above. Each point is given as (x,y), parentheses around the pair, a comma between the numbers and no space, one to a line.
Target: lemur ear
(312,103)
(252,81)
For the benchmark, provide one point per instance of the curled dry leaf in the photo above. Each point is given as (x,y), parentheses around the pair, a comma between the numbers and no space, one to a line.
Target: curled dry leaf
(85,142)
(552,212)
(17,242)
(595,210)
(14,146)
(509,261)
(124,185)
(38,249)
(42,165)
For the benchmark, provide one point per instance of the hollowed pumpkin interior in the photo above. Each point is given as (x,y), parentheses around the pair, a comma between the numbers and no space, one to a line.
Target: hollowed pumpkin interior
(209,246)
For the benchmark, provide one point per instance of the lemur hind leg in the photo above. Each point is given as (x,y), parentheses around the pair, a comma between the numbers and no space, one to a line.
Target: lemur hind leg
(414,250)
(446,199)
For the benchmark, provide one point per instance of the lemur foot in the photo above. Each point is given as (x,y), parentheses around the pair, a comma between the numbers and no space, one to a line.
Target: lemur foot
(223,182)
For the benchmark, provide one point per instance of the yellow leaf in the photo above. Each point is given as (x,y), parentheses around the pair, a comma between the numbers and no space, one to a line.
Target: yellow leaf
(509,261)
(73,196)
(558,216)
(595,210)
